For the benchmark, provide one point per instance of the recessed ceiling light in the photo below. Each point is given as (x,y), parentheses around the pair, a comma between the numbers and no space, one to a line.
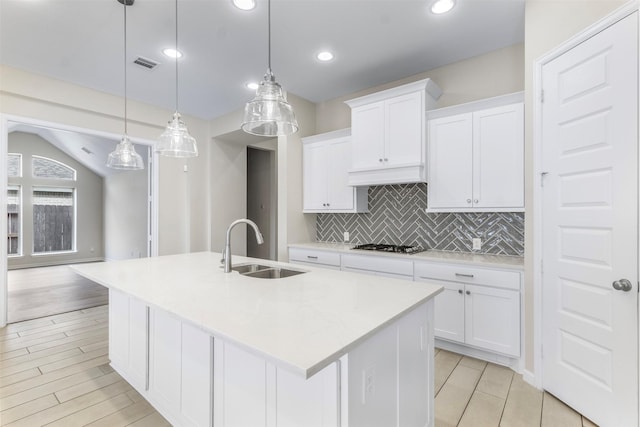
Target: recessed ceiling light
(172,53)
(324,56)
(442,6)
(245,4)
(252,85)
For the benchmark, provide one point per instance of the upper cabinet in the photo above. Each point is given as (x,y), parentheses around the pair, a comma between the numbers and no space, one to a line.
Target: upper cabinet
(326,159)
(388,134)
(476,156)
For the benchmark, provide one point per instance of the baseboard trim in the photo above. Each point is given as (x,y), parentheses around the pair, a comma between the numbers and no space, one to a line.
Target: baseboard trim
(53,263)
(487,356)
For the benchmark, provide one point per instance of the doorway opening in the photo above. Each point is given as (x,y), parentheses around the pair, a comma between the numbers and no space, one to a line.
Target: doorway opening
(63,206)
(262,201)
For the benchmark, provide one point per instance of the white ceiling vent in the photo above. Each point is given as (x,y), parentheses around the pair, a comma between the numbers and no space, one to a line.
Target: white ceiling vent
(146,63)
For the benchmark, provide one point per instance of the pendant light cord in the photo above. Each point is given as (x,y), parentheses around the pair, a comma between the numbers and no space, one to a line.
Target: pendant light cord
(269,31)
(177,54)
(125,66)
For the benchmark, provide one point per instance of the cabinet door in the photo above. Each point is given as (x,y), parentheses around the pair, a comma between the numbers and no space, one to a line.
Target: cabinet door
(449,312)
(128,340)
(492,319)
(315,176)
(180,370)
(498,165)
(404,134)
(450,160)
(367,136)
(340,195)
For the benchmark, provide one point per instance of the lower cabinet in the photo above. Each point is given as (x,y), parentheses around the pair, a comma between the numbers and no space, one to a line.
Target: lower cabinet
(485,315)
(380,266)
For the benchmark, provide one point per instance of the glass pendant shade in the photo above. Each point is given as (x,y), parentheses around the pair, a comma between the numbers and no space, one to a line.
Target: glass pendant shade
(269,113)
(125,156)
(176,141)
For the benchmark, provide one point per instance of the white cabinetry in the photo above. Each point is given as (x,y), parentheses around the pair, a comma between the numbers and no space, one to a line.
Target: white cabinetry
(378,265)
(326,159)
(180,370)
(326,259)
(479,307)
(128,340)
(476,158)
(388,134)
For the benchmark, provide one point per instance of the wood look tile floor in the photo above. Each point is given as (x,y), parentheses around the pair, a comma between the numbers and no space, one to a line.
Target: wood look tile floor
(54,371)
(45,291)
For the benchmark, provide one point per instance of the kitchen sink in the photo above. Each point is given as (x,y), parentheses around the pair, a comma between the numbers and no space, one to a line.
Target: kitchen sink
(260,271)
(249,268)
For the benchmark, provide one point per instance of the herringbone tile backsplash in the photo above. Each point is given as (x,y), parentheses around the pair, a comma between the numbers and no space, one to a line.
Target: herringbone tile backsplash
(397,216)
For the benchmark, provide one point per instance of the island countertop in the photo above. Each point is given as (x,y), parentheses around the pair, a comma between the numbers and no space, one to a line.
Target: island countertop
(301,323)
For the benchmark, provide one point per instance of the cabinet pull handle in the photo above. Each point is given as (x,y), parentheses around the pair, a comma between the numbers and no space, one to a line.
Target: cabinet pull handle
(468,292)
(464,275)
(312,257)
(147,346)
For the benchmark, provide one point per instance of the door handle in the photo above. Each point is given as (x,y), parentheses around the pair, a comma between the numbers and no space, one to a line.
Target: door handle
(622,285)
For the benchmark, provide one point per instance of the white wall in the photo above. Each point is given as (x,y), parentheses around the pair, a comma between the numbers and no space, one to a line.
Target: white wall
(125,215)
(548,23)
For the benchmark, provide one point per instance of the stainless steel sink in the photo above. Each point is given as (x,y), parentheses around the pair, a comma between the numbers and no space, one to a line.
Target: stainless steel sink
(249,268)
(274,273)
(260,271)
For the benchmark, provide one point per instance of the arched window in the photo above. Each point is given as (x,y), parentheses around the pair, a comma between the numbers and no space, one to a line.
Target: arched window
(44,167)
(14,165)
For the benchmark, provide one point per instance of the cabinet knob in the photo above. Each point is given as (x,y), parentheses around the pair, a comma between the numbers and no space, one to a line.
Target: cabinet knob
(468,200)
(380,160)
(468,292)
(460,291)
(328,204)
(386,160)
(475,200)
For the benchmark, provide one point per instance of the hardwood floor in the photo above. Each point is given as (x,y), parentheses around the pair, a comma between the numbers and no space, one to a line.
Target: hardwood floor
(45,291)
(54,371)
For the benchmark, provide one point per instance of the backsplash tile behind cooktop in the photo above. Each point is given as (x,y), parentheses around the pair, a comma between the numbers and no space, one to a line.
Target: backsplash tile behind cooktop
(397,216)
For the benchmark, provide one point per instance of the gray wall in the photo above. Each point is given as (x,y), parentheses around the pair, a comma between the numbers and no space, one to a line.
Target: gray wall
(89,208)
(125,215)
(397,216)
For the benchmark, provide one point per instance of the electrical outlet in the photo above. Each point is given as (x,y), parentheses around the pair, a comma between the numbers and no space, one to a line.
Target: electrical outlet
(477,243)
(346,236)
(368,383)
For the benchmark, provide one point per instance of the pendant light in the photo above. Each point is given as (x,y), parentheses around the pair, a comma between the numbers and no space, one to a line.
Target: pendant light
(125,156)
(176,141)
(269,113)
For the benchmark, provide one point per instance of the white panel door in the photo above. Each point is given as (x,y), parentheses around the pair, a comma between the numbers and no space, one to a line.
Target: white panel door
(404,130)
(450,160)
(340,195)
(498,157)
(590,226)
(315,176)
(367,133)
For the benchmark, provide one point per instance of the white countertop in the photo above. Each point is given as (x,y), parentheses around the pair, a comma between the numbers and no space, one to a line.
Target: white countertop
(301,323)
(486,260)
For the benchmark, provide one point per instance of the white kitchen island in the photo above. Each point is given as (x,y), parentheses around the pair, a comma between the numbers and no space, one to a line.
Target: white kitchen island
(323,348)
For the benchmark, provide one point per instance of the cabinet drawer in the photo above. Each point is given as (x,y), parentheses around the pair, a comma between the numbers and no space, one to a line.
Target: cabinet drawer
(376,264)
(466,274)
(312,256)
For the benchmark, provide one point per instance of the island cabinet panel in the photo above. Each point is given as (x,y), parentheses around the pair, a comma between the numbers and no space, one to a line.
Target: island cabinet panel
(180,370)
(276,397)
(391,374)
(128,344)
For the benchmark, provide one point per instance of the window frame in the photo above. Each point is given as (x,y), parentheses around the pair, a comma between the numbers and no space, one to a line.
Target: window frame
(20,221)
(74,240)
(33,169)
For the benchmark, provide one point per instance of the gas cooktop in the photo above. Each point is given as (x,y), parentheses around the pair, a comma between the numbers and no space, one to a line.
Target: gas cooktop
(389,248)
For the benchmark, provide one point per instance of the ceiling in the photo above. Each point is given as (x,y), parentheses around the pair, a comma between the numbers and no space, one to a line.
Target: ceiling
(374,41)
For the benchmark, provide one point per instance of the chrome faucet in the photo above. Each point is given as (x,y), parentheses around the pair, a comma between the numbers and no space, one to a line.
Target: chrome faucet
(226,255)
